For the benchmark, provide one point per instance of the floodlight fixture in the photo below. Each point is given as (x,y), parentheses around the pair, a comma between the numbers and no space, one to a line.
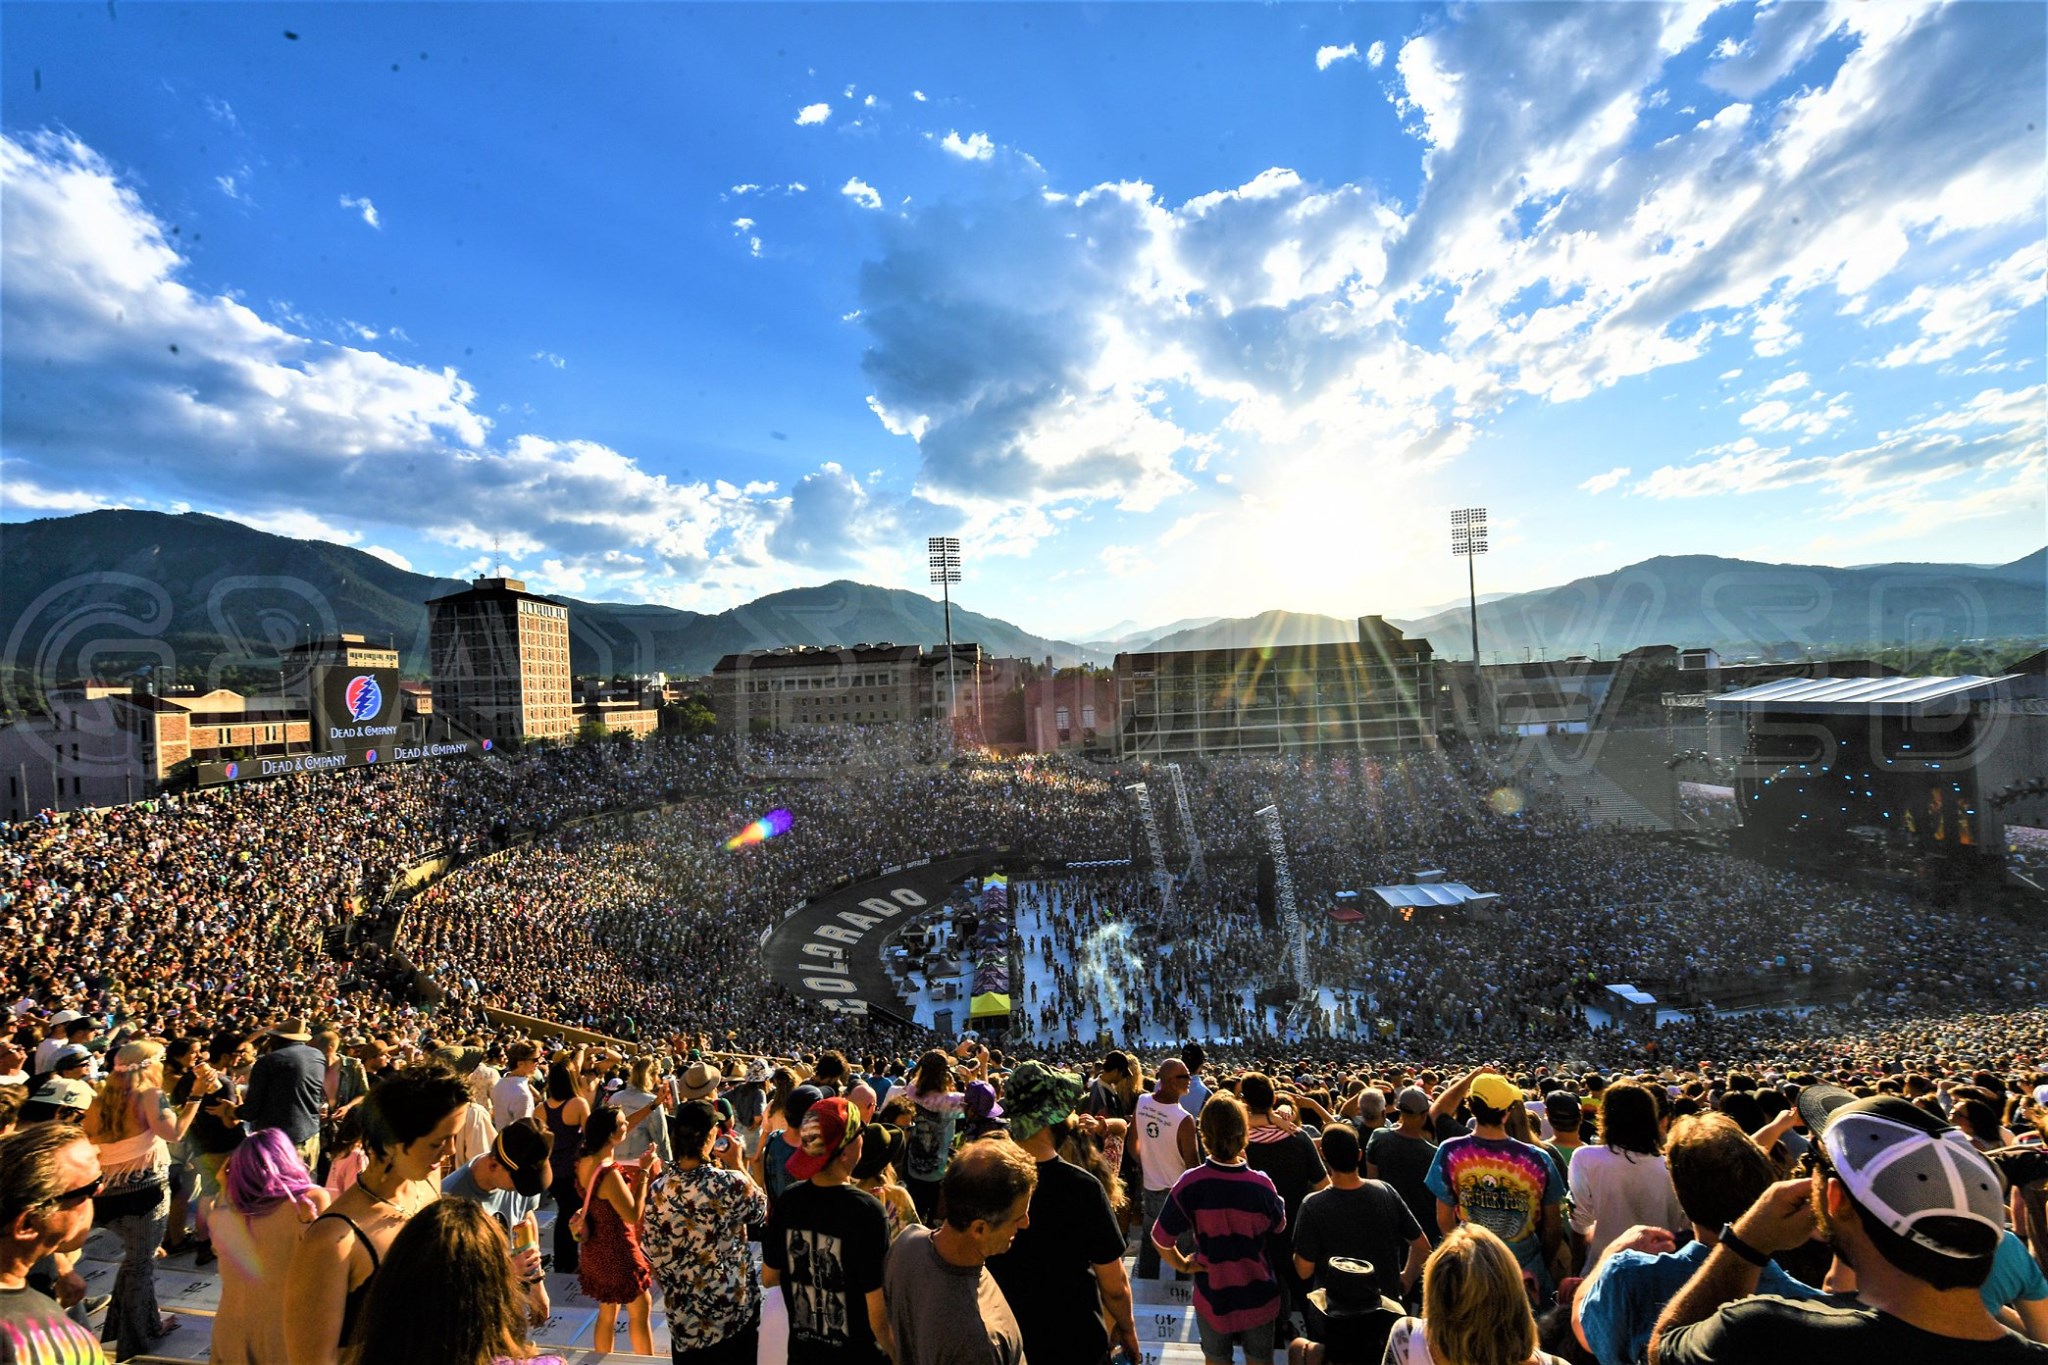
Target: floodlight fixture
(1468,538)
(1468,531)
(943,554)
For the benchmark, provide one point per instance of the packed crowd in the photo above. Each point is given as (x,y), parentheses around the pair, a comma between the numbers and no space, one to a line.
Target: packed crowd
(647,921)
(383,1205)
(151,952)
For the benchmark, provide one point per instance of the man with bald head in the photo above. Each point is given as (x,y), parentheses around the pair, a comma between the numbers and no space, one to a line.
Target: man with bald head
(1166,1151)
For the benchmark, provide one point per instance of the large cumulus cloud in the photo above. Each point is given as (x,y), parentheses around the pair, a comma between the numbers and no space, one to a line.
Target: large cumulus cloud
(120,376)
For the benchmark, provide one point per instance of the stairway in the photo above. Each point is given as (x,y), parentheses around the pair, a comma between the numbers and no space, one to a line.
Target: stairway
(1600,799)
(1164,1310)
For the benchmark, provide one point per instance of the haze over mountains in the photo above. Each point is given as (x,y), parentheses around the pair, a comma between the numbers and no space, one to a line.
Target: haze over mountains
(111,591)
(206,593)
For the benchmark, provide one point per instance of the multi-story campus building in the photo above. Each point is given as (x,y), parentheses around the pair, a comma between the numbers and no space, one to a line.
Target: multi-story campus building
(808,685)
(1378,694)
(499,658)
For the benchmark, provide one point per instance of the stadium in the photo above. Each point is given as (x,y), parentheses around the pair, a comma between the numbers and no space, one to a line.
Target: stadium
(740,684)
(596,895)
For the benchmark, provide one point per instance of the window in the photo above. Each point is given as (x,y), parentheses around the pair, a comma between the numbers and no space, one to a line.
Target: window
(1088,718)
(1060,718)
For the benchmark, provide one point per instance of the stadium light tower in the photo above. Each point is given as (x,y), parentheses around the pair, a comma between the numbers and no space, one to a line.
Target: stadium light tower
(1468,538)
(944,555)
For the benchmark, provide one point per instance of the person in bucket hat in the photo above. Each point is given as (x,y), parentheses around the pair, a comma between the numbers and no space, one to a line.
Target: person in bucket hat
(1070,1258)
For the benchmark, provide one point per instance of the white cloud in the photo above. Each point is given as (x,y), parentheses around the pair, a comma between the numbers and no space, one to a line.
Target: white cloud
(244,415)
(813,114)
(363,206)
(1822,415)
(1326,56)
(862,193)
(1562,249)
(389,556)
(231,187)
(1987,457)
(917,95)
(1433,91)
(1600,483)
(22,495)
(1375,55)
(299,524)
(550,358)
(1771,333)
(974,147)
(743,189)
(1791,383)
(1972,313)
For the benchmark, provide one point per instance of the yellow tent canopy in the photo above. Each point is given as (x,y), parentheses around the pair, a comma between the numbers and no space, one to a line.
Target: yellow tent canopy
(988,1003)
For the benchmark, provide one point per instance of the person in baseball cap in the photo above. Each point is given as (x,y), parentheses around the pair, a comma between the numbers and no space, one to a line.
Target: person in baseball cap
(58,1098)
(1497,1093)
(831,1126)
(1921,1178)
(1906,1201)
(982,1112)
(1511,1188)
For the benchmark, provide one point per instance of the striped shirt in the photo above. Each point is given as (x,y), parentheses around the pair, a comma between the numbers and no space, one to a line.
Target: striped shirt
(1231,1210)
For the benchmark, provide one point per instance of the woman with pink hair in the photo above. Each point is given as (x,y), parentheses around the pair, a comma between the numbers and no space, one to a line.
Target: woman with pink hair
(268,1199)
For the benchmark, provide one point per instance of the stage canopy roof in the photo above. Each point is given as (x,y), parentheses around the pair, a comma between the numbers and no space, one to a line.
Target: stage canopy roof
(1447,894)
(1866,696)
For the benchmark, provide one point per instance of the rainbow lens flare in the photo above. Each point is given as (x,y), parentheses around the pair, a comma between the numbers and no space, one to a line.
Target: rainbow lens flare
(762,830)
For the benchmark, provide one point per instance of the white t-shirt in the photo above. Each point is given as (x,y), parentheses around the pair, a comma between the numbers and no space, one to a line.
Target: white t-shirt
(511,1100)
(1613,1191)
(1158,1132)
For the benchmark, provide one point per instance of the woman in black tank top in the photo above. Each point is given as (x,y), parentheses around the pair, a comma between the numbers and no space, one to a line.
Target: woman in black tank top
(564,1112)
(409,1126)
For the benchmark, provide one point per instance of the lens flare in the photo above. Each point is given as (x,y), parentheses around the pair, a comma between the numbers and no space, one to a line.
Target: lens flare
(1506,801)
(762,830)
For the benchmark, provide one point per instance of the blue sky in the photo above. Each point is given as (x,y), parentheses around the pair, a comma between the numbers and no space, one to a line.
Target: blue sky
(1164,310)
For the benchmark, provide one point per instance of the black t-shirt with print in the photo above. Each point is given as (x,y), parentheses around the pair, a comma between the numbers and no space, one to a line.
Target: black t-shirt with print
(828,1243)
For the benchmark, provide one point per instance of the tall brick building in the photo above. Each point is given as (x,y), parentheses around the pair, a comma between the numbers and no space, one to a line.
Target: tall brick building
(499,657)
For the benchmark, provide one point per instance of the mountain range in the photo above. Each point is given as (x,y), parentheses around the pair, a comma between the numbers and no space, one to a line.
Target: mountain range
(210,599)
(1742,607)
(116,592)
(1737,606)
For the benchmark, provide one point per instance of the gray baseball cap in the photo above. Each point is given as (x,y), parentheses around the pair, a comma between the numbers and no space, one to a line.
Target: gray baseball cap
(1915,1174)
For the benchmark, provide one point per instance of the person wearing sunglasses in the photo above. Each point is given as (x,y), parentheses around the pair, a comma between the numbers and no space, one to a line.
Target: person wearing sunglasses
(49,1173)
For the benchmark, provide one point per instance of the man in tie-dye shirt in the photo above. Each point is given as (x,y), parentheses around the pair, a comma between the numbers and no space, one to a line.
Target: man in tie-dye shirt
(48,1175)
(1510,1188)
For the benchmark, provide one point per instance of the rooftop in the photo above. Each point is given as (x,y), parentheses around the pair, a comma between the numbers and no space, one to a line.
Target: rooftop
(1871,696)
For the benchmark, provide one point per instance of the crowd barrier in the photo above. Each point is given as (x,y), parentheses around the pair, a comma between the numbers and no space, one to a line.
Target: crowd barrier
(532,1026)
